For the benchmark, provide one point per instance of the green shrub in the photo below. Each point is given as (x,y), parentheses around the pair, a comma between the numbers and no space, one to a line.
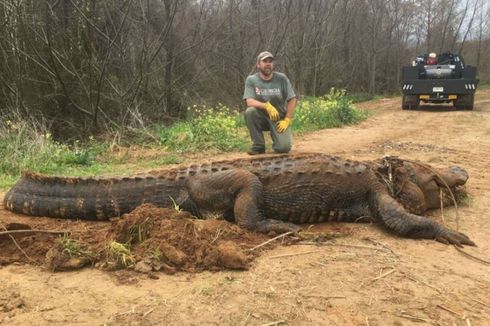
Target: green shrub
(29,147)
(329,111)
(208,128)
(26,145)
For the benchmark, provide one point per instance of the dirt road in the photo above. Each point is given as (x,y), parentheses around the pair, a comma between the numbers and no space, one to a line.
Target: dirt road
(363,277)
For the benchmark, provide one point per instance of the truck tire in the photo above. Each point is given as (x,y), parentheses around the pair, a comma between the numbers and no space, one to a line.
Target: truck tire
(409,102)
(471,102)
(405,106)
(465,102)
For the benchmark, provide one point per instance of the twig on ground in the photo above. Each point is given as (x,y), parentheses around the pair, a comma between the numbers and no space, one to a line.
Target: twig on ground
(324,296)
(382,275)
(447,309)
(274,323)
(216,237)
(477,301)
(16,244)
(422,282)
(148,312)
(442,206)
(270,240)
(382,245)
(296,254)
(486,262)
(27,231)
(345,245)
(320,264)
(407,316)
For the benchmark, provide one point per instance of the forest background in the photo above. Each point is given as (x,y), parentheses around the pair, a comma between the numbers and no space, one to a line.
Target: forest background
(85,67)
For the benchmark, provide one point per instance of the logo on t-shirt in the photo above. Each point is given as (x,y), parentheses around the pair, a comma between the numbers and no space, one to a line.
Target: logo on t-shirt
(267,91)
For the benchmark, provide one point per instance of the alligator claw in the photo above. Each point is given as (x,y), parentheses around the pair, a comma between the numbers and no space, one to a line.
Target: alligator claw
(456,238)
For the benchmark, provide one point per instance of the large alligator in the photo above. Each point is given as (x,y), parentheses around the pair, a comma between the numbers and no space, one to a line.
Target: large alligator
(264,194)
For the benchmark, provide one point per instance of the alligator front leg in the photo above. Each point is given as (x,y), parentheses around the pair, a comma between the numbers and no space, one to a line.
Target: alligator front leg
(396,219)
(237,190)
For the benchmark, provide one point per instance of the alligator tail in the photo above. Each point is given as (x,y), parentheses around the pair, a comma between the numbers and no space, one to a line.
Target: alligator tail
(87,198)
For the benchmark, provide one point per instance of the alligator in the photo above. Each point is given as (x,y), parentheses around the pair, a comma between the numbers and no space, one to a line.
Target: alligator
(269,193)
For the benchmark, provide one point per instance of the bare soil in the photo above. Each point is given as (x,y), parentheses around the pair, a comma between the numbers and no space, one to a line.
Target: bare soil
(193,272)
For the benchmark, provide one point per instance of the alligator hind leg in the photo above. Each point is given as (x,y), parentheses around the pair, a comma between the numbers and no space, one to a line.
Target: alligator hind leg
(405,224)
(237,190)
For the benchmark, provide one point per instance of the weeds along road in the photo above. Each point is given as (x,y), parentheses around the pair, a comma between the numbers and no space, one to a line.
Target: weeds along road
(364,277)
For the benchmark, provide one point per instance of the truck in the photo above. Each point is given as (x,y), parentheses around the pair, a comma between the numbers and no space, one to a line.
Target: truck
(438,78)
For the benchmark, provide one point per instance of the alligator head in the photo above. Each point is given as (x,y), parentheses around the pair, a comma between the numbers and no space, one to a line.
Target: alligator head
(418,186)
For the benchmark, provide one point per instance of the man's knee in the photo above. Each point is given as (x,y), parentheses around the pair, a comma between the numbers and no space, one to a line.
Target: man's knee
(251,112)
(282,148)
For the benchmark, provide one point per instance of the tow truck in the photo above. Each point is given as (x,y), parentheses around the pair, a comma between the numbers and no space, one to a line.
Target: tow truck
(442,78)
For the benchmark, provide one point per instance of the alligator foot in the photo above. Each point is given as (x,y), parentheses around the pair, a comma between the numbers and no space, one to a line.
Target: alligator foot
(454,237)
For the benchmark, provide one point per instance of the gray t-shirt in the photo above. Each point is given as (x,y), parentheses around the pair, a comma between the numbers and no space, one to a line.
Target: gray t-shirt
(278,90)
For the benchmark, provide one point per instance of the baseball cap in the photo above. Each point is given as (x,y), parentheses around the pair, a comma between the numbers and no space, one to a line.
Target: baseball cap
(264,55)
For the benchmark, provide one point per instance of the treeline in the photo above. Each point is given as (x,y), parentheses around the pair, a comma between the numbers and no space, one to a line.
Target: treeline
(88,66)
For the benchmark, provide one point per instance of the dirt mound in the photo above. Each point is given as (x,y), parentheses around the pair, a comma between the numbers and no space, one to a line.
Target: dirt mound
(148,240)
(24,247)
(164,239)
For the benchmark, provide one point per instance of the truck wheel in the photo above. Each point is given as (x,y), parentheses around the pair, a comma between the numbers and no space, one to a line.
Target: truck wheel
(465,102)
(471,102)
(405,105)
(409,102)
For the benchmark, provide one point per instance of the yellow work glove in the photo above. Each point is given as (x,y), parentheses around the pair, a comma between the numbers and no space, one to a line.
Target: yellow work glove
(271,111)
(283,124)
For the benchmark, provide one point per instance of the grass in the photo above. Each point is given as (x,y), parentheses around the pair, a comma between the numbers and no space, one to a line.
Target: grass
(155,254)
(463,198)
(205,289)
(120,254)
(73,248)
(7,180)
(208,128)
(484,86)
(140,232)
(330,111)
(176,206)
(28,145)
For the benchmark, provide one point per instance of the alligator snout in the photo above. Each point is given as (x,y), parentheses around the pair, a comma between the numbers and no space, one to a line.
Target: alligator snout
(455,176)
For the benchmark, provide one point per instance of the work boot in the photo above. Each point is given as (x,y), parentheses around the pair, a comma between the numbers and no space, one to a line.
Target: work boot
(255,151)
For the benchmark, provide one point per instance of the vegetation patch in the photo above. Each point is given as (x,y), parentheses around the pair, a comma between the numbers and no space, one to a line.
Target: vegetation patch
(208,128)
(119,255)
(330,111)
(74,248)
(29,145)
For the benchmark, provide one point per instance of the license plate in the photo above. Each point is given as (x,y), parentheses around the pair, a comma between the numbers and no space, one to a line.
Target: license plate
(438,89)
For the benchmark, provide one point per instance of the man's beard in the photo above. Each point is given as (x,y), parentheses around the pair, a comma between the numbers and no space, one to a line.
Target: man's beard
(266,71)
